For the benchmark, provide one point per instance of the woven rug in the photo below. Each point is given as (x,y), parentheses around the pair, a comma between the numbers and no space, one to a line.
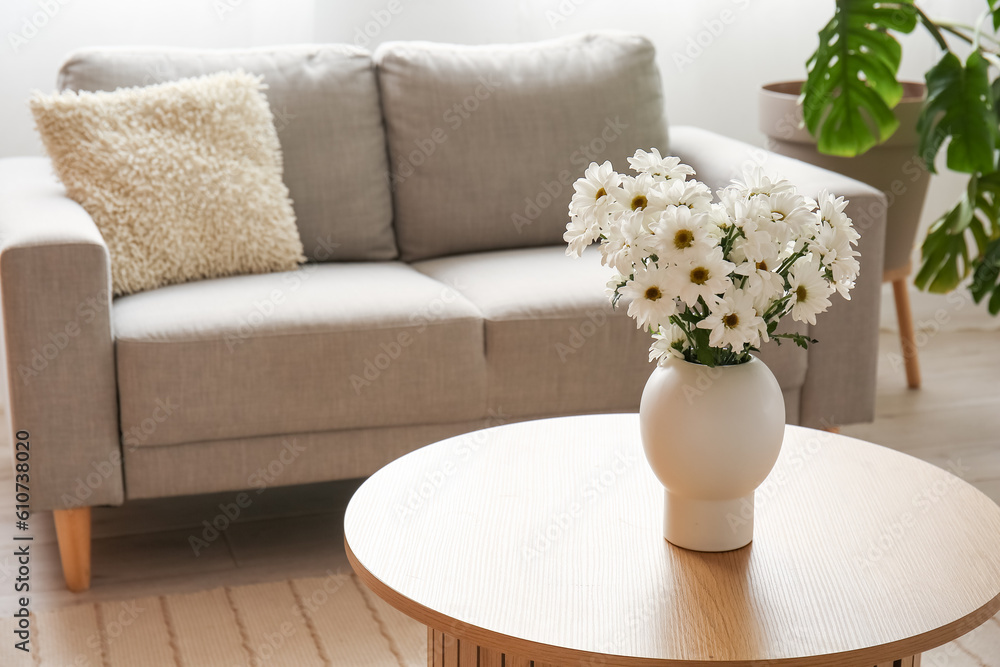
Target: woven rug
(322,621)
(331,620)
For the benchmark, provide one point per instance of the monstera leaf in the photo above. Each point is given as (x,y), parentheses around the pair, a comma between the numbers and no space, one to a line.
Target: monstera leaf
(851,89)
(959,105)
(971,225)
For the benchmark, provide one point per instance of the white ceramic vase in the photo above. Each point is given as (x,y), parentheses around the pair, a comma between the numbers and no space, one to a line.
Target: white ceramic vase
(711,435)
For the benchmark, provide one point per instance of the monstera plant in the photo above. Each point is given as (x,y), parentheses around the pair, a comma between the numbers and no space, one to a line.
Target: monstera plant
(848,102)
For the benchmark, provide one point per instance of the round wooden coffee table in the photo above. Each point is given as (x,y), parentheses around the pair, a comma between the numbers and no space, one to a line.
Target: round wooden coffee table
(542,541)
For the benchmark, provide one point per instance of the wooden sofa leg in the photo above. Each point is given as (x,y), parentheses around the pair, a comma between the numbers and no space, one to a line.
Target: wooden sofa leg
(906,337)
(73,533)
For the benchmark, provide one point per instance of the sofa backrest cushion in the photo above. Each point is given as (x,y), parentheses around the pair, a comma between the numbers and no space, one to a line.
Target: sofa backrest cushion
(326,110)
(486,141)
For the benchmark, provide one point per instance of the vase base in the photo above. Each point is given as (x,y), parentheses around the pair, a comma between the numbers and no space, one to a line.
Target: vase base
(708,525)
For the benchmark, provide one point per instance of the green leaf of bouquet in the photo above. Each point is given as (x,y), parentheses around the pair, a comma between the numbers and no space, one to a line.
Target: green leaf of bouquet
(960,106)
(851,87)
(701,347)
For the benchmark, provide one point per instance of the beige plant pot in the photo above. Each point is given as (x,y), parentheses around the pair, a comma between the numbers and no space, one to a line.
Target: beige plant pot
(893,167)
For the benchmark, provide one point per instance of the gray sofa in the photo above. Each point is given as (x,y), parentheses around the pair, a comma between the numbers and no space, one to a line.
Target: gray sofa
(430,184)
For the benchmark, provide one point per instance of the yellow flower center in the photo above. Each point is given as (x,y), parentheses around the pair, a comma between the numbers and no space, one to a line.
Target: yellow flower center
(600,193)
(762,266)
(732,320)
(639,202)
(684,238)
(801,293)
(777,215)
(653,293)
(699,275)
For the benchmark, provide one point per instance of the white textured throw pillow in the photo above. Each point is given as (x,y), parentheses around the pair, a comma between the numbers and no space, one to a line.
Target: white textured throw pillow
(183,179)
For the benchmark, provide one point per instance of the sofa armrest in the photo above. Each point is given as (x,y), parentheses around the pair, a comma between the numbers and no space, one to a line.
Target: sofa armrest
(55,294)
(840,379)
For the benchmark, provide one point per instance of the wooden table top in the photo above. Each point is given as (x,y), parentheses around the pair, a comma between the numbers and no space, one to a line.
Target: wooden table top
(545,538)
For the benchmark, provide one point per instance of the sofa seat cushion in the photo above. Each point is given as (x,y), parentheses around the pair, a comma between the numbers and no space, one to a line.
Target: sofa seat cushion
(553,343)
(326,110)
(486,141)
(327,347)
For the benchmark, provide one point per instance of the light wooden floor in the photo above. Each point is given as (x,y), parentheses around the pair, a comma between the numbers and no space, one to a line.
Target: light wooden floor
(142,548)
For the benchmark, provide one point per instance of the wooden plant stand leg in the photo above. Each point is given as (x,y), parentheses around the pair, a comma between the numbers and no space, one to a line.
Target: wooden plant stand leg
(73,534)
(906,338)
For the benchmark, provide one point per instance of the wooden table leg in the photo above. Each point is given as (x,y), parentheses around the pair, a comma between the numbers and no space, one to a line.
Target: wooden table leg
(444,650)
(912,661)
(906,336)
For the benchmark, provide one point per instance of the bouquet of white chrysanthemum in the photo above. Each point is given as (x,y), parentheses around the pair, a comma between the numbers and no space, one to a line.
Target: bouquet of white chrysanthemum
(710,281)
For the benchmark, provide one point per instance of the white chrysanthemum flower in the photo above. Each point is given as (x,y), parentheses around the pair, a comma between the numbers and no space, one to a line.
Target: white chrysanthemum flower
(579,235)
(719,222)
(639,193)
(705,276)
(652,303)
(810,290)
(626,243)
(678,233)
(733,321)
(591,201)
(616,282)
(792,217)
(633,192)
(660,168)
(826,242)
(730,199)
(833,247)
(763,302)
(844,288)
(755,182)
(754,244)
(761,280)
(668,342)
(846,269)
(691,194)
(674,251)
(831,211)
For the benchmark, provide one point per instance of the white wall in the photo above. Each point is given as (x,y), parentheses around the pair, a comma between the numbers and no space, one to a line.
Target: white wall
(743,43)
